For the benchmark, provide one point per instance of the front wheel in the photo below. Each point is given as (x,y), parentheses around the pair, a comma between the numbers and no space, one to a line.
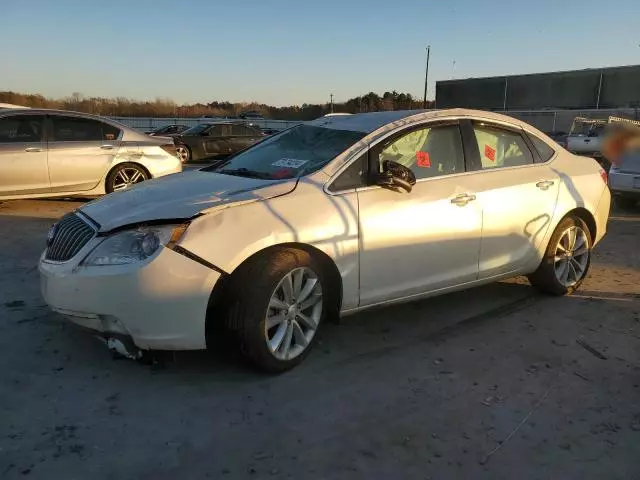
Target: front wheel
(567,259)
(124,176)
(279,303)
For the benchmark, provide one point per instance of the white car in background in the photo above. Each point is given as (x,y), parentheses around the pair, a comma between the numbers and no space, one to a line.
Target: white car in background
(53,153)
(328,218)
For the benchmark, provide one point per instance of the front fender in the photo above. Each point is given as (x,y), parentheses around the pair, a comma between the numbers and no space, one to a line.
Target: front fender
(228,237)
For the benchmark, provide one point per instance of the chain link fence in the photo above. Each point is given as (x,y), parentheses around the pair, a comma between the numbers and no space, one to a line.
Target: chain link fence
(561,120)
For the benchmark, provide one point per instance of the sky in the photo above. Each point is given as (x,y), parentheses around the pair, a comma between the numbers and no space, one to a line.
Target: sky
(287,52)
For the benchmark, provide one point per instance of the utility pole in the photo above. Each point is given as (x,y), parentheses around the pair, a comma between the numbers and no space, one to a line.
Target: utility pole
(426,78)
(331,96)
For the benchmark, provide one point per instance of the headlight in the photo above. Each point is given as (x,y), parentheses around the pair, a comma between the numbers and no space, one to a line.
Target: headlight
(132,246)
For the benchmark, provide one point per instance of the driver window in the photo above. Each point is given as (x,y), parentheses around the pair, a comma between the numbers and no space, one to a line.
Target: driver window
(428,152)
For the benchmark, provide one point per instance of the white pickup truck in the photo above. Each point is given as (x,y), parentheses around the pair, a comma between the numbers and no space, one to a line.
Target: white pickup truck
(585,136)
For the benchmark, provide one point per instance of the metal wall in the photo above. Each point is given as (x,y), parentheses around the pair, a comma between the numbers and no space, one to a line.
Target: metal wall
(616,87)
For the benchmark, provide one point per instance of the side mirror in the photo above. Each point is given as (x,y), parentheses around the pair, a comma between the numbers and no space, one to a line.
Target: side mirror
(396,176)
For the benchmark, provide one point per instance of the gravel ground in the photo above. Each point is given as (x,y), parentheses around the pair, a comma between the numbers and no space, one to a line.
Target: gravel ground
(496,382)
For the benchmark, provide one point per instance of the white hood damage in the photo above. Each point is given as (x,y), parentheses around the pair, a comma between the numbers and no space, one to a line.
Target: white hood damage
(180,196)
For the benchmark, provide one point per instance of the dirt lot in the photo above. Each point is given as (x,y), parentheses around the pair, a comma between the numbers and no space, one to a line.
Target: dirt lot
(489,383)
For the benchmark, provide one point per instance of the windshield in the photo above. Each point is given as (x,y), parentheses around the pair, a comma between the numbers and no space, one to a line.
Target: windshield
(197,130)
(299,150)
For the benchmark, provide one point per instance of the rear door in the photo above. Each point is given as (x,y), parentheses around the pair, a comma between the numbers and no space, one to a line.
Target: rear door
(517,195)
(244,136)
(23,155)
(81,150)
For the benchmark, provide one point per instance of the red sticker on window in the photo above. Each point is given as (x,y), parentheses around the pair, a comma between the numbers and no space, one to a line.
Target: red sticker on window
(490,153)
(282,173)
(423,159)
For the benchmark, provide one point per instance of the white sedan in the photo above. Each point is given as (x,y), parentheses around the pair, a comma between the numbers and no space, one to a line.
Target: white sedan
(325,219)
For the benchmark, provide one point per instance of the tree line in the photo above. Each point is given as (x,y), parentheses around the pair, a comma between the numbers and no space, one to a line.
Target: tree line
(162,107)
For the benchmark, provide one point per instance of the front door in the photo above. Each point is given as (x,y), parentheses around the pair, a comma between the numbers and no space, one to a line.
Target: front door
(23,156)
(425,240)
(517,196)
(81,150)
(217,141)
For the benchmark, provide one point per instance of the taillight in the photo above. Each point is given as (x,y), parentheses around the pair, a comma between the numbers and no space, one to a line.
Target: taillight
(605,177)
(170,149)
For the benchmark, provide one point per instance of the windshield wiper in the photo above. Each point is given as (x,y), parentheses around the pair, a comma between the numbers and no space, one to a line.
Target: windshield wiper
(245,172)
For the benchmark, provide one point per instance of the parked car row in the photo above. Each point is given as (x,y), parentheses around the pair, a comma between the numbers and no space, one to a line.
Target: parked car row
(51,153)
(328,218)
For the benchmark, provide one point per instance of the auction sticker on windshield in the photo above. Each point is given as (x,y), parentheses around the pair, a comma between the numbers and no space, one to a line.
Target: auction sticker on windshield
(289,163)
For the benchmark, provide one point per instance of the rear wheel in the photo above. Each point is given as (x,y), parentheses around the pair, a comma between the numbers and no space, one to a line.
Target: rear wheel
(279,302)
(124,176)
(567,259)
(184,154)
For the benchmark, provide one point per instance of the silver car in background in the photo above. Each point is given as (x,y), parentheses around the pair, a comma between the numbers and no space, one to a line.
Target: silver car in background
(53,153)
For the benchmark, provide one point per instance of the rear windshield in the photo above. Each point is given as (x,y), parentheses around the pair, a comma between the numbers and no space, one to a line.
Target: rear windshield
(298,151)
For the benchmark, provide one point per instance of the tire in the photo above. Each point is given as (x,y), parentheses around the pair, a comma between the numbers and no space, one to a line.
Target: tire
(625,203)
(184,153)
(265,319)
(124,176)
(559,271)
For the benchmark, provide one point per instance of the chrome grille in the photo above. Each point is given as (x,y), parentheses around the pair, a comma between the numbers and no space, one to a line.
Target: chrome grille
(70,235)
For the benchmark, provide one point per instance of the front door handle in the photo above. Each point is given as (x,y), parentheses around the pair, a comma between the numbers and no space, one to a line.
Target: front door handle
(544,184)
(33,149)
(107,147)
(462,199)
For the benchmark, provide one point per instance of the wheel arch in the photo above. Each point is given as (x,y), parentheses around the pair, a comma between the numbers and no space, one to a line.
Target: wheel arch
(217,308)
(587,217)
(119,164)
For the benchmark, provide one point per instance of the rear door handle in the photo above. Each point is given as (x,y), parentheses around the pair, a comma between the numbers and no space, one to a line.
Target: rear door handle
(462,199)
(33,149)
(107,147)
(544,184)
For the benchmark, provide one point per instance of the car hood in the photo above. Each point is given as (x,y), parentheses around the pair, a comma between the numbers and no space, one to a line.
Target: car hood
(180,196)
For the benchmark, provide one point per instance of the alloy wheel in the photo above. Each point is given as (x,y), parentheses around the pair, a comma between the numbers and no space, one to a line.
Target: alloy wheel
(571,256)
(126,177)
(183,153)
(293,314)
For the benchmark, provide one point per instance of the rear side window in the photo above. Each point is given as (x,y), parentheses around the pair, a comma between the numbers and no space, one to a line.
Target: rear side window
(241,130)
(501,148)
(543,148)
(72,129)
(21,129)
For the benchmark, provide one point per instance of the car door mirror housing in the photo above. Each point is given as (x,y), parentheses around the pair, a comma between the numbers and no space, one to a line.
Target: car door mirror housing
(395,176)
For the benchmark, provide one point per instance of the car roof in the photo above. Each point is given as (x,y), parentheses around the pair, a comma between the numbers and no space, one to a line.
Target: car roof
(130,133)
(370,122)
(224,122)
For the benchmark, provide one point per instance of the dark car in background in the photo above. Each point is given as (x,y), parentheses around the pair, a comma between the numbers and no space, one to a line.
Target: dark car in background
(167,131)
(215,139)
(251,115)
